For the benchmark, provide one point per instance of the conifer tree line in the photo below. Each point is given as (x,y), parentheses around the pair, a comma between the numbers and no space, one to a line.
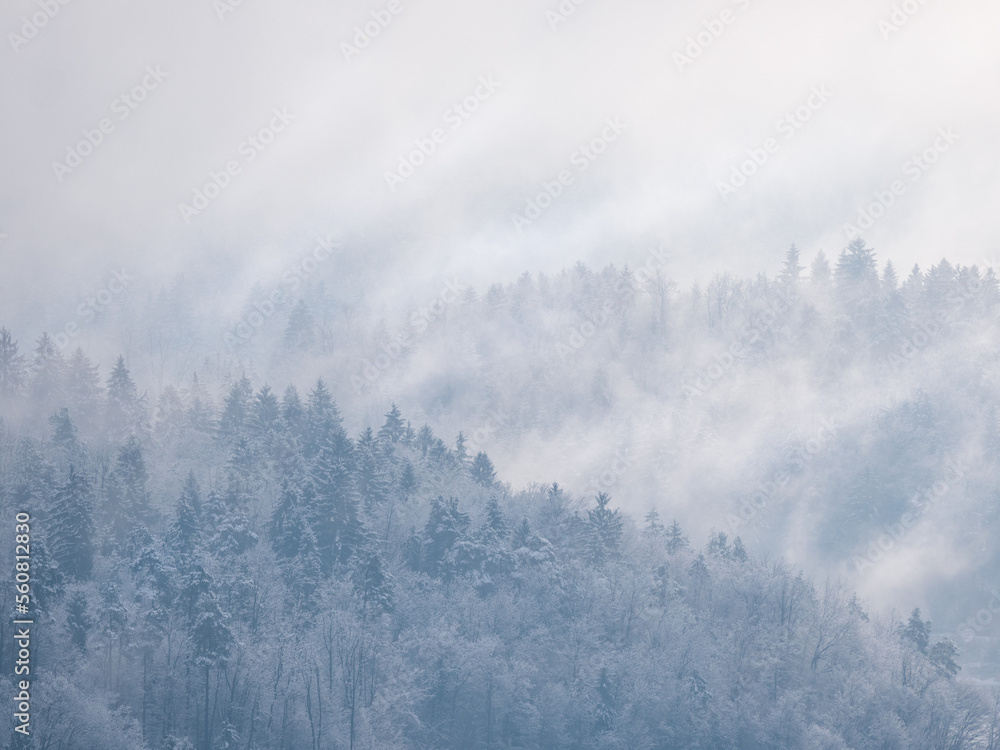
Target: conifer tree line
(237,569)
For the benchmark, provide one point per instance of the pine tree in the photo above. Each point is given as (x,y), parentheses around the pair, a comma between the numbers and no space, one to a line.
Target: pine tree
(393,428)
(942,655)
(304,570)
(169,415)
(47,579)
(739,551)
(322,419)
(13,372)
(48,374)
(653,526)
(300,333)
(65,436)
(819,270)
(482,470)
(606,712)
(408,480)
(288,522)
(83,389)
(522,535)
(372,585)
(461,452)
(123,412)
(184,535)
(78,620)
(917,631)
(212,640)
(444,528)
(791,270)
(856,275)
(675,539)
(200,411)
(718,546)
(496,521)
(890,281)
(71,527)
(293,414)
(425,439)
(235,417)
(333,510)
(605,529)
(373,482)
(265,411)
(127,503)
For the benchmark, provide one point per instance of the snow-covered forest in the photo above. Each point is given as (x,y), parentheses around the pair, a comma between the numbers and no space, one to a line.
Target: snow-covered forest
(587,510)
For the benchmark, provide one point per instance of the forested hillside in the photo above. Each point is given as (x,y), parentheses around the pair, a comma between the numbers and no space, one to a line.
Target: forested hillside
(256,577)
(807,410)
(222,563)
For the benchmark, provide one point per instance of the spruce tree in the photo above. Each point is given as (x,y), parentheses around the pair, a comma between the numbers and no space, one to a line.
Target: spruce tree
(78,620)
(604,527)
(71,527)
(13,370)
(333,511)
(482,470)
(300,333)
(83,390)
(393,428)
(235,417)
(48,375)
(791,269)
(124,409)
(185,532)
(372,585)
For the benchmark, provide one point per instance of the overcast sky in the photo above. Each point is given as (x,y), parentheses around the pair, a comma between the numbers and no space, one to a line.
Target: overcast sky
(554,84)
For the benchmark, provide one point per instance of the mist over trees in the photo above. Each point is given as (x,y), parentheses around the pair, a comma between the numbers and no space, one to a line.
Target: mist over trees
(223,558)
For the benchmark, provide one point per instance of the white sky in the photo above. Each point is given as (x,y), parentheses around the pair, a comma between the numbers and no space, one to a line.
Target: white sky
(656,184)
